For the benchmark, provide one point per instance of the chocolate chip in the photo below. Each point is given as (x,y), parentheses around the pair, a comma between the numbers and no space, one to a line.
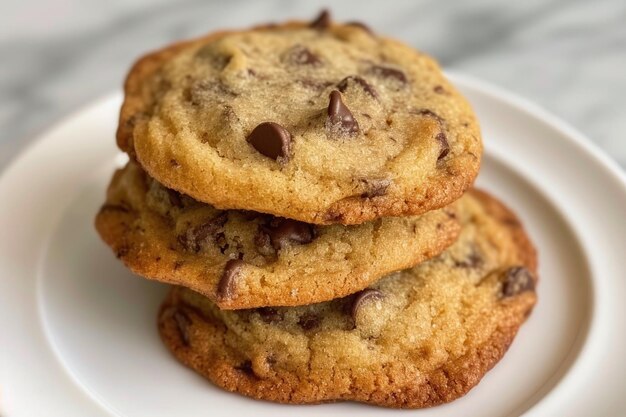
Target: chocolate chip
(322,21)
(439,89)
(427,113)
(174,197)
(300,55)
(343,85)
(361,25)
(221,242)
(443,142)
(203,233)
(182,323)
(253,215)
(226,286)
(517,280)
(340,118)
(363,297)
(174,163)
(309,321)
(389,73)
(376,187)
(271,140)
(473,259)
(202,91)
(270,315)
(282,232)
(246,368)
(263,242)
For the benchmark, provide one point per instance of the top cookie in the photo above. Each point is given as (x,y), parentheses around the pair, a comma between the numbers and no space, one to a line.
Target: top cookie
(319,122)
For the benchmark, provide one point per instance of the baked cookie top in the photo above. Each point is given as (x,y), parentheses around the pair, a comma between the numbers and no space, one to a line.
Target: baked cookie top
(247,259)
(318,122)
(417,338)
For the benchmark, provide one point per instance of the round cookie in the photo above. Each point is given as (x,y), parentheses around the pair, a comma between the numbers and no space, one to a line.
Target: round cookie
(417,338)
(323,123)
(246,259)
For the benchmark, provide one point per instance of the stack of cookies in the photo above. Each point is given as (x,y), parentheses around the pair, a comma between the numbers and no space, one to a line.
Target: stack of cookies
(306,189)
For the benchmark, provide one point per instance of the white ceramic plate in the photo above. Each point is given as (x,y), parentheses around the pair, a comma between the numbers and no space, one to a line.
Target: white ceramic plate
(78,334)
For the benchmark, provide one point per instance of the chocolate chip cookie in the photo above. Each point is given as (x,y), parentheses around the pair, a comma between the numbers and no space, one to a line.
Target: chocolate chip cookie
(417,338)
(319,122)
(246,259)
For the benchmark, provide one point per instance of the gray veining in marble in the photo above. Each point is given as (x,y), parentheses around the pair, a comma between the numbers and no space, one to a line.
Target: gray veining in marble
(567,56)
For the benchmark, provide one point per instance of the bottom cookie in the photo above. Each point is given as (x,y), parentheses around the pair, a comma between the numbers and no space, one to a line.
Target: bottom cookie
(417,338)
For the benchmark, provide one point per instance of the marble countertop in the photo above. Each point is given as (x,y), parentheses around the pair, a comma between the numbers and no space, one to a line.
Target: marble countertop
(567,56)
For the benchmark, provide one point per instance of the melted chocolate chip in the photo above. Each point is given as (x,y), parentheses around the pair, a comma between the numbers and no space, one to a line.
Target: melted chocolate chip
(443,142)
(473,260)
(226,286)
(282,232)
(517,280)
(300,55)
(309,321)
(343,85)
(246,368)
(263,242)
(439,89)
(427,113)
(203,233)
(376,187)
(322,21)
(175,198)
(221,242)
(182,323)
(271,140)
(201,92)
(270,315)
(363,297)
(340,118)
(389,73)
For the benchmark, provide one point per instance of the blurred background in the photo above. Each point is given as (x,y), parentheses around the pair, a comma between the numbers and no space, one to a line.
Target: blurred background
(567,56)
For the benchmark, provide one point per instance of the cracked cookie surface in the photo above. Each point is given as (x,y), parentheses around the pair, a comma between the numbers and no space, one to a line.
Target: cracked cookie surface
(416,338)
(323,123)
(245,259)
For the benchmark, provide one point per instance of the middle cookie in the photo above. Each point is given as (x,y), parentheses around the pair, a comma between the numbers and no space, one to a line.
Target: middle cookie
(242,259)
